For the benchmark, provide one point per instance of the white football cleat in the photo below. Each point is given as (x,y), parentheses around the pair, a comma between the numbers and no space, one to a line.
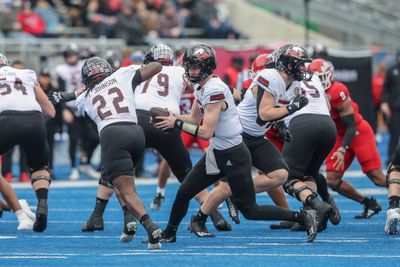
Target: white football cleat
(392,226)
(74,174)
(25,224)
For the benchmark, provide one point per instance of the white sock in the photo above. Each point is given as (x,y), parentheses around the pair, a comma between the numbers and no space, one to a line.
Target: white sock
(161,191)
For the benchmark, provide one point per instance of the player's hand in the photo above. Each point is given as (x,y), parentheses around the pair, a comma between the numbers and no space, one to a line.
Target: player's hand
(298,103)
(55,97)
(339,156)
(283,131)
(164,123)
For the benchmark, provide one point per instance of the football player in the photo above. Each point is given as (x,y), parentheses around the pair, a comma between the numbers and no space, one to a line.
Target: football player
(355,138)
(227,155)
(393,182)
(109,100)
(23,106)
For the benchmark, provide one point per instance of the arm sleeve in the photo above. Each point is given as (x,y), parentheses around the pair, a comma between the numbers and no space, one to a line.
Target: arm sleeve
(136,80)
(350,125)
(61,84)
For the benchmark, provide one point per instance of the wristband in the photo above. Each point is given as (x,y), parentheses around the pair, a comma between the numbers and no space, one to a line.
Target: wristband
(187,127)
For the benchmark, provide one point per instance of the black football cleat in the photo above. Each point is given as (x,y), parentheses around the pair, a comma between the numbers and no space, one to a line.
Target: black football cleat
(219,222)
(157,201)
(95,223)
(324,211)
(310,224)
(199,228)
(335,215)
(41,216)
(371,207)
(130,228)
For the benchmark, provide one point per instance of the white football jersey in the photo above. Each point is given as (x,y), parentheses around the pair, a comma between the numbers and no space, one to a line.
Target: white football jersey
(163,90)
(72,76)
(17,90)
(228,130)
(110,101)
(271,81)
(315,93)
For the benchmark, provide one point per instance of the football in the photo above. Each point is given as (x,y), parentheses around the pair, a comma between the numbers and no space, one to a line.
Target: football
(157,111)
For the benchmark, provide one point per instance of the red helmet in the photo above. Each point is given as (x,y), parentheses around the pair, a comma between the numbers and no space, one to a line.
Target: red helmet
(324,69)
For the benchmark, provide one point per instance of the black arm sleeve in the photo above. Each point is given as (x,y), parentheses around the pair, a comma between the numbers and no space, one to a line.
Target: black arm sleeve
(61,84)
(136,80)
(350,125)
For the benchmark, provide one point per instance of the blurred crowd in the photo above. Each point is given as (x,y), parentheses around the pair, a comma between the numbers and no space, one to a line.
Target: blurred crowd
(138,22)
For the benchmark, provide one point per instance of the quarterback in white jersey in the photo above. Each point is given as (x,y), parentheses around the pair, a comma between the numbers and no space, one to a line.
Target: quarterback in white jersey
(22,106)
(227,155)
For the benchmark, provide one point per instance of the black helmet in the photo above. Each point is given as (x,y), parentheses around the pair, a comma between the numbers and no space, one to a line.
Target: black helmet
(159,53)
(113,58)
(94,70)
(290,60)
(4,60)
(201,55)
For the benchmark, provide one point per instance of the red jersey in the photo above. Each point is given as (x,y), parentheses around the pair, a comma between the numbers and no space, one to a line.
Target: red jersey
(338,93)
(377,87)
(187,101)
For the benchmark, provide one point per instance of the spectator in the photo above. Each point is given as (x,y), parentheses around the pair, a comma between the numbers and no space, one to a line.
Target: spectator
(102,17)
(232,72)
(129,27)
(206,14)
(30,21)
(137,57)
(391,104)
(169,23)
(49,16)
(377,86)
(149,20)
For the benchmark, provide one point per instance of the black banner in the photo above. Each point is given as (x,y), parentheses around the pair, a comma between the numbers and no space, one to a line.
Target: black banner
(356,73)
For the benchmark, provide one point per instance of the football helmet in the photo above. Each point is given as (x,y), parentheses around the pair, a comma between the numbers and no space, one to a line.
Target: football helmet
(291,60)
(4,60)
(202,56)
(259,63)
(159,53)
(324,69)
(94,70)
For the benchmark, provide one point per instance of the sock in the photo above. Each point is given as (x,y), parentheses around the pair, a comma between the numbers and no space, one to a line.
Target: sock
(144,219)
(100,206)
(125,210)
(364,201)
(394,202)
(200,216)
(41,193)
(310,200)
(161,191)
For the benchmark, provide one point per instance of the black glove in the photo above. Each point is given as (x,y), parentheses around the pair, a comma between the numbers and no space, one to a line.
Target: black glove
(284,132)
(298,103)
(58,97)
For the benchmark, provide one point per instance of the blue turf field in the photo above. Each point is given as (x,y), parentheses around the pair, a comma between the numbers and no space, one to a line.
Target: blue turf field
(352,243)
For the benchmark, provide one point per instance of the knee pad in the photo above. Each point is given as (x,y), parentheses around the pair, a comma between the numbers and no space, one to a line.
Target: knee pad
(392,167)
(42,177)
(289,189)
